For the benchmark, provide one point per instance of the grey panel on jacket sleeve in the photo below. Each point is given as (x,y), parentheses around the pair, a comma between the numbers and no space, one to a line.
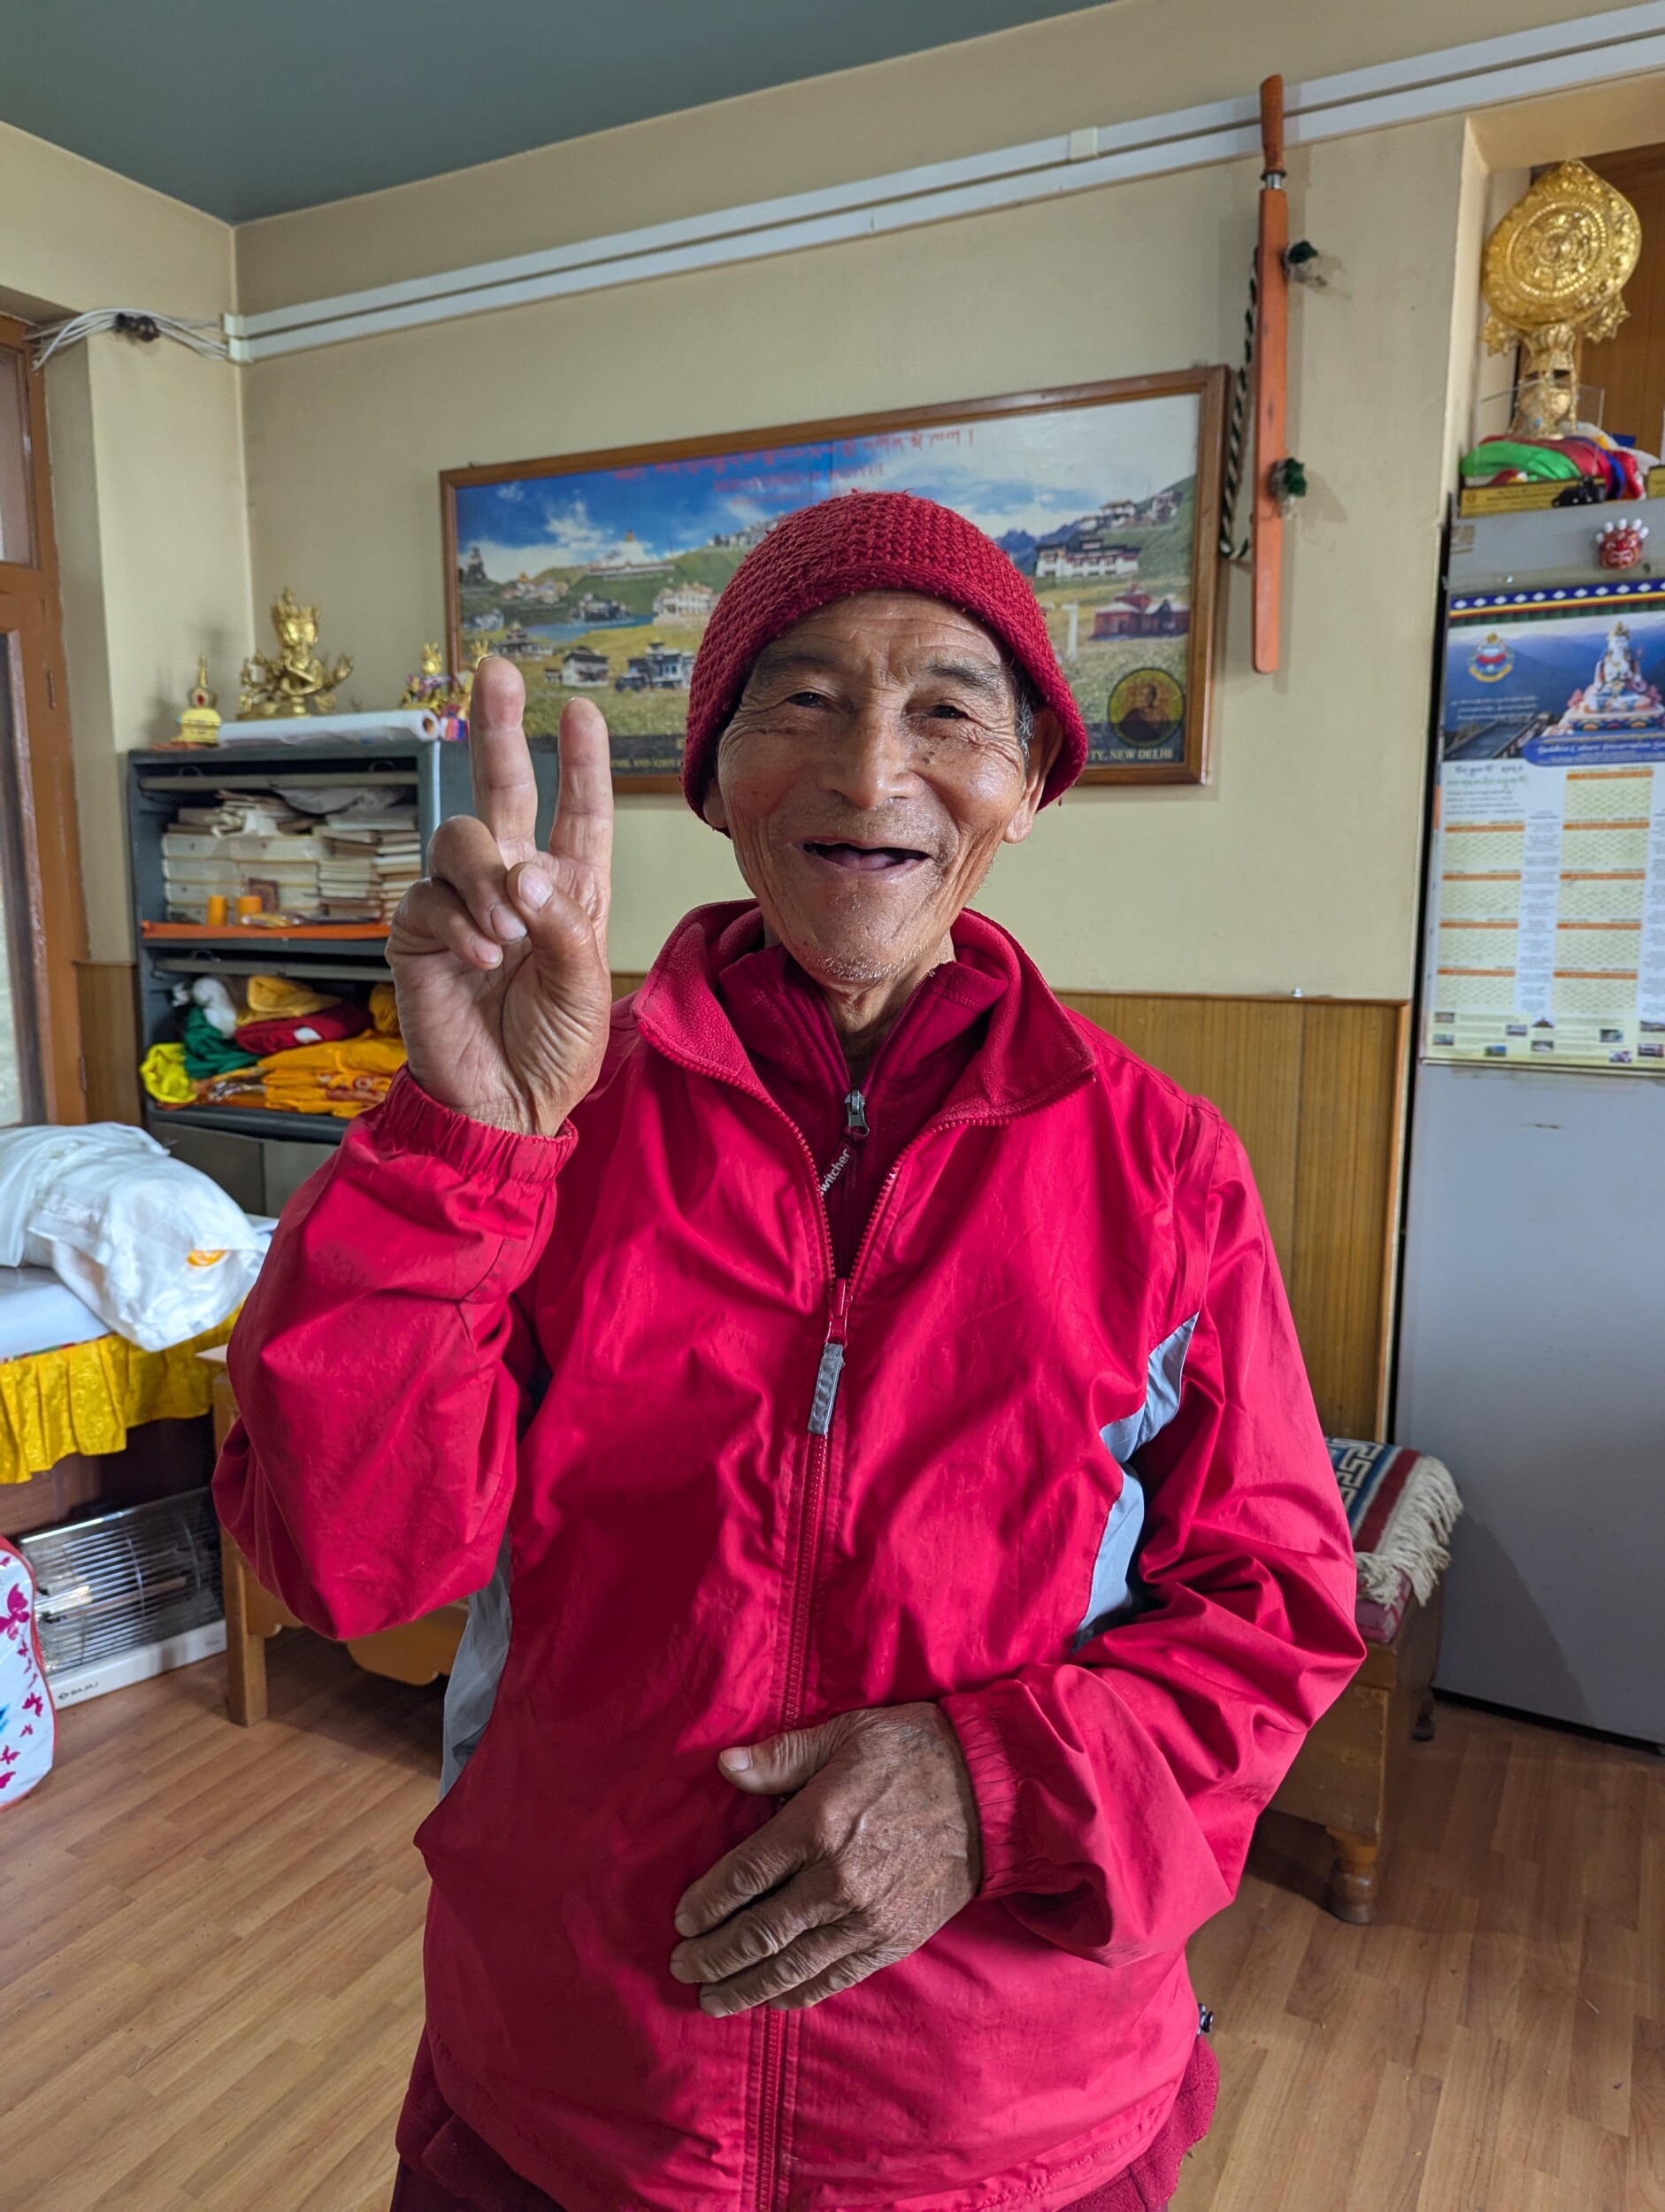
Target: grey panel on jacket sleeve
(1112,1596)
(471,1691)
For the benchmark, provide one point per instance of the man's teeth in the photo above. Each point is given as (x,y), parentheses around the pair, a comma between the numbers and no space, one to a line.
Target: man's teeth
(866,858)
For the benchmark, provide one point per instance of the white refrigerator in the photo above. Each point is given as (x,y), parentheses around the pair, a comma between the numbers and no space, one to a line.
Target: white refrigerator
(1532,1362)
(1532,1341)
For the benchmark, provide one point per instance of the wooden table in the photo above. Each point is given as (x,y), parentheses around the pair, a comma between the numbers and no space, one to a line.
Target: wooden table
(416,1652)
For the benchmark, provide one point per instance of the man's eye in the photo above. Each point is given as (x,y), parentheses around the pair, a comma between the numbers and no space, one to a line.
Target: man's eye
(946,710)
(805,699)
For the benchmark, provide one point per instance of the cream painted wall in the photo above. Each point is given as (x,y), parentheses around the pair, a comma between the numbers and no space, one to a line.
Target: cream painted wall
(1296,865)
(150,501)
(149,491)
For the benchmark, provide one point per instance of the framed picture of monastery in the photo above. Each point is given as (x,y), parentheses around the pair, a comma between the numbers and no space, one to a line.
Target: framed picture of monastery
(598,571)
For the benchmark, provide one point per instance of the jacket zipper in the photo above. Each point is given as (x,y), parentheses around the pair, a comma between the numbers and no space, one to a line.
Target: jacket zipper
(771,2099)
(828,1372)
(771,2109)
(822,1404)
(854,1130)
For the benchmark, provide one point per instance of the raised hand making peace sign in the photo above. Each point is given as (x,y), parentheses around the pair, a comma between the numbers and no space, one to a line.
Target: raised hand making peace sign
(500,956)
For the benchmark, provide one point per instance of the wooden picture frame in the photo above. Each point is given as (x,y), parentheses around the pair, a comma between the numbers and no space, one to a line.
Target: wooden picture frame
(621,558)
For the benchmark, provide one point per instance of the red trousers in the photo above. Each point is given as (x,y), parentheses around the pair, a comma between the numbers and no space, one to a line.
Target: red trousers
(1145,2186)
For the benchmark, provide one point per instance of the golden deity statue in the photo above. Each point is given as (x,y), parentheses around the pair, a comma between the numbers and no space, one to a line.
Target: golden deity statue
(435,688)
(420,688)
(1553,274)
(293,680)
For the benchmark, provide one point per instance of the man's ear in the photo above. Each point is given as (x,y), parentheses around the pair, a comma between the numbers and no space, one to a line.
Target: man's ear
(1045,740)
(711,805)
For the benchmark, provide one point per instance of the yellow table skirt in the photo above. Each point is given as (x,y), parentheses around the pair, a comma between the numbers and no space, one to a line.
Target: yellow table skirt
(85,1397)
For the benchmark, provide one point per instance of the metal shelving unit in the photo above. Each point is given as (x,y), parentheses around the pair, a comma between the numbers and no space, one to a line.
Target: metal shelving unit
(261,1157)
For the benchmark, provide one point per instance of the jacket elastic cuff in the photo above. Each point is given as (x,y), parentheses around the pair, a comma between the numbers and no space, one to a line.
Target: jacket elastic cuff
(994,1785)
(409,1120)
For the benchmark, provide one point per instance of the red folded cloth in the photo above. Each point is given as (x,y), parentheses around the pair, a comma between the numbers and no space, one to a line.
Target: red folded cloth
(328,1027)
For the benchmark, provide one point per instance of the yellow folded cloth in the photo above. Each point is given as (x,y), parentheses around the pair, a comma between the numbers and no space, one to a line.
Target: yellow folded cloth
(274,997)
(384,1009)
(333,1078)
(162,1071)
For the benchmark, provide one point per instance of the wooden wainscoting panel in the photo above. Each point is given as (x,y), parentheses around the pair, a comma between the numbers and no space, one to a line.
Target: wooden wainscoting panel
(109,1039)
(1347,1206)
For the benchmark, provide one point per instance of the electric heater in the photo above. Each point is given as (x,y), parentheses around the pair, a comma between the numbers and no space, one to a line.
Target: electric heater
(129,1594)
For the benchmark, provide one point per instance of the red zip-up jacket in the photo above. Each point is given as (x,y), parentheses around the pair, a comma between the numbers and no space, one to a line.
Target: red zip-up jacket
(1045,1453)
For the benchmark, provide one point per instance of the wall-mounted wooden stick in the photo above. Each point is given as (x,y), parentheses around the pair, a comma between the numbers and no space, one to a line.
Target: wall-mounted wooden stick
(1271,373)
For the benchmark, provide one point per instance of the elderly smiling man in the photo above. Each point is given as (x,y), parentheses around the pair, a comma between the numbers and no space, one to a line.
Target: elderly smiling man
(865,1398)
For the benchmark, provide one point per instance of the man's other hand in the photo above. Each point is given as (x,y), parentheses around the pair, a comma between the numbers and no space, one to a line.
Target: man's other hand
(878,1847)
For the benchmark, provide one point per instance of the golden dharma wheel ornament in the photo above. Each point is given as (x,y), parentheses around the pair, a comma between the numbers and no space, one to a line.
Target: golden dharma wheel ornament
(1552,275)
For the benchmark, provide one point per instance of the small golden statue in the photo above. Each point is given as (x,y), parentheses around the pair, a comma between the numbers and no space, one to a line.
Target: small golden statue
(435,688)
(293,680)
(1553,274)
(427,684)
(199,724)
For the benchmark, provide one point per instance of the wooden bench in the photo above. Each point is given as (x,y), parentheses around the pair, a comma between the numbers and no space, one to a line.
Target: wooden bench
(1349,1774)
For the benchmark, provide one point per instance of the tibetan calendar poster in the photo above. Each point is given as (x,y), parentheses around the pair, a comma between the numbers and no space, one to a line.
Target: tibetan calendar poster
(1547,922)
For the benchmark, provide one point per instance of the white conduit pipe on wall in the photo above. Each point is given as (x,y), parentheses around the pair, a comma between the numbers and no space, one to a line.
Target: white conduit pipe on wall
(1558,58)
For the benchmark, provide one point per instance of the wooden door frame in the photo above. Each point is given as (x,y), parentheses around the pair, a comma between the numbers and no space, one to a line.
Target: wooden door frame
(30,611)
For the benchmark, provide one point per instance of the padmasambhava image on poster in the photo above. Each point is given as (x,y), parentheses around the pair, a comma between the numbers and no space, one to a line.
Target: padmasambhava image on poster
(599,580)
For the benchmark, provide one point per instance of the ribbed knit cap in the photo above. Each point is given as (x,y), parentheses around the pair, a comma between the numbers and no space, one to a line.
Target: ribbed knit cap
(868,541)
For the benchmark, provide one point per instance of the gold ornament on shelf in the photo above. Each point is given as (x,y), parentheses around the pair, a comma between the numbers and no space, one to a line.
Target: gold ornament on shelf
(199,724)
(421,689)
(293,680)
(1553,274)
(435,688)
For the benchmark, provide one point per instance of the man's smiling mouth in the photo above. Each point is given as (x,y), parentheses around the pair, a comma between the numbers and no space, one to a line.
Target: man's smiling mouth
(862,859)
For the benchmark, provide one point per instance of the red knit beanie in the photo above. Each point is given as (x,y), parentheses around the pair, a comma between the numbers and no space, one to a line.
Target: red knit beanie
(868,541)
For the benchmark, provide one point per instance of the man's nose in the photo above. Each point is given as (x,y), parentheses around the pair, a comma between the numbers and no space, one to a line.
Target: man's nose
(873,761)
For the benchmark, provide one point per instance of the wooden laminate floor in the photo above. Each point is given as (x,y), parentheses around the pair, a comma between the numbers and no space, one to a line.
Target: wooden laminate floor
(210,1970)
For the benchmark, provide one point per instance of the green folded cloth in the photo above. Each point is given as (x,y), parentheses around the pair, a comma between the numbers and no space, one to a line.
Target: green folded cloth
(206,1051)
(1543,463)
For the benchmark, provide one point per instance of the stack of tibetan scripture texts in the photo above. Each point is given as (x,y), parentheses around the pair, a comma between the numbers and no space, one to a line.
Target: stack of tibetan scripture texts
(344,854)
(368,862)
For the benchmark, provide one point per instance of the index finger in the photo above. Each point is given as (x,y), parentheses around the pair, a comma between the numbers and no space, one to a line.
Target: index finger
(505,789)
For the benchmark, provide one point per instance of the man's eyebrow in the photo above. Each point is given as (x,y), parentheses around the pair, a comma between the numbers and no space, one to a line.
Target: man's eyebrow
(987,677)
(775,658)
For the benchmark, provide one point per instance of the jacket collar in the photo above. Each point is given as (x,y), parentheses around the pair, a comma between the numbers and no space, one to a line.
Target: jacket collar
(1033,1054)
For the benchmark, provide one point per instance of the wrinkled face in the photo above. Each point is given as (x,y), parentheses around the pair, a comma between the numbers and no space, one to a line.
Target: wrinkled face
(870,774)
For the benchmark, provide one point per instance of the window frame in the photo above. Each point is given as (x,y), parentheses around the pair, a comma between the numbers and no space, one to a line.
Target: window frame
(42,773)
